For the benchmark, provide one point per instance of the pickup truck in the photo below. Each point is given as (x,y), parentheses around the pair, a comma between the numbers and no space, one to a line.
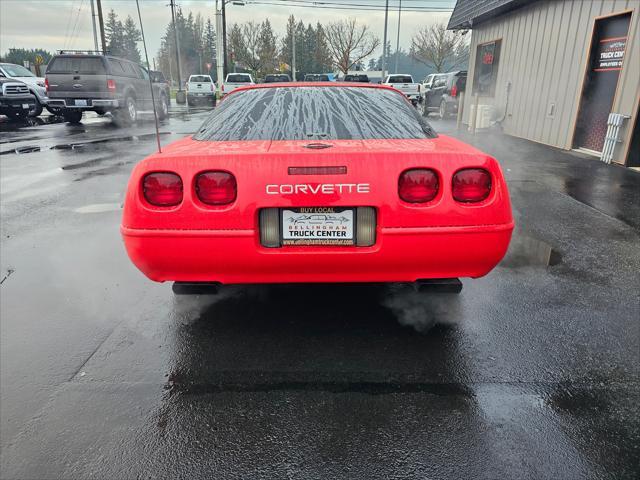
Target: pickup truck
(236,80)
(406,85)
(201,88)
(80,82)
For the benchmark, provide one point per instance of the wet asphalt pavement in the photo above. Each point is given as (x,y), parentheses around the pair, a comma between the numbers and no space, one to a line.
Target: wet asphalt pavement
(531,372)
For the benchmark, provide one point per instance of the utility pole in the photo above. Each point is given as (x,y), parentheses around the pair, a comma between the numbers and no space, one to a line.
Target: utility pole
(219,47)
(93,24)
(101,23)
(224,37)
(395,70)
(177,44)
(384,43)
(293,46)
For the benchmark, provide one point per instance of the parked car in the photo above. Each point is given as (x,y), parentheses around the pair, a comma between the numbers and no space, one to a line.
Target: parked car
(384,198)
(406,85)
(16,101)
(201,88)
(441,95)
(427,83)
(316,77)
(277,78)
(163,83)
(101,83)
(35,84)
(236,80)
(356,78)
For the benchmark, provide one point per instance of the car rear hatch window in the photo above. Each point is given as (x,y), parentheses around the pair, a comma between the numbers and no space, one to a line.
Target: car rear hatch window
(200,79)
(239,79)
(276,78)
(85,65)
(400,79)
(314,113)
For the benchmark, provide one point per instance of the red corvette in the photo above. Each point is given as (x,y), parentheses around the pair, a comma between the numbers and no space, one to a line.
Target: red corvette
(316,182)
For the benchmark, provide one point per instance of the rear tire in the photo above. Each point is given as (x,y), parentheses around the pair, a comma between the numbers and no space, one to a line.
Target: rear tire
(163,108)
(128,114)
(72,116)
(443,110)
(424,111)
(36,112)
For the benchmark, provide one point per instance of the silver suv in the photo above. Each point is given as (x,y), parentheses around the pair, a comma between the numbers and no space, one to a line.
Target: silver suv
(35,84)
(16,102)
(101,83)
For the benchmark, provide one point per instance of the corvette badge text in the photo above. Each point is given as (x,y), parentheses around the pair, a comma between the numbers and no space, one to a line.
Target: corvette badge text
(320,188)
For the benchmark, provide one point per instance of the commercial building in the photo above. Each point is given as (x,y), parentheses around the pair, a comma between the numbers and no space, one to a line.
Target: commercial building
(553,71)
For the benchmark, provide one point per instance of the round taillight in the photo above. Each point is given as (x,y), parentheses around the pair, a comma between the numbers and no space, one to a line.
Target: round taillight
(216,187)
(163,189)
(471,185)
(418,185)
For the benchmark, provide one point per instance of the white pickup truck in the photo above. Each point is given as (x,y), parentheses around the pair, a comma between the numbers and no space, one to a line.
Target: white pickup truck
(201,88)
(236,80)
(406,85)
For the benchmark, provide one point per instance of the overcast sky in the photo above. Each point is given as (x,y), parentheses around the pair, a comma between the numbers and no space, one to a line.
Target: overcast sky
(59,24)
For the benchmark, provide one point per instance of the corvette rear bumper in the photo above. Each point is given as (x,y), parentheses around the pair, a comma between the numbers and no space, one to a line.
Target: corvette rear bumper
(236,256)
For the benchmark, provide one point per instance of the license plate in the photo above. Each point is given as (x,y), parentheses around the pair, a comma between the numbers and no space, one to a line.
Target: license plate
(25,106)
(318,226)
(81,103)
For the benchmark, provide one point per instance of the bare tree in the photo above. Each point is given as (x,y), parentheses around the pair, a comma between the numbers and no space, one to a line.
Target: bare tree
(439,48)
(349,43)
(251,36)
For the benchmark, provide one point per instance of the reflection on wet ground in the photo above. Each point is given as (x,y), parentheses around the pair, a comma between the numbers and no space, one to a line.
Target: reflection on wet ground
(525,251)
(531,372)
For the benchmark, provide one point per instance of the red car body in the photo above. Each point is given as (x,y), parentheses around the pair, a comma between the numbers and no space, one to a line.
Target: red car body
(195,241)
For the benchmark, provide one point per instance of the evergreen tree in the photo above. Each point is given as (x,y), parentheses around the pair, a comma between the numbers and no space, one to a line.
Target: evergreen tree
(268,48)
(236,46)
(308,49)
(286,49)
(114,31)
(20,55)
(209,48)
(302,57)
(321,55)
(131,37)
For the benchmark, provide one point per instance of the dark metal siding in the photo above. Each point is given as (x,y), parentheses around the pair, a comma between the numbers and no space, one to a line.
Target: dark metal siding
(470,12)
(544,52)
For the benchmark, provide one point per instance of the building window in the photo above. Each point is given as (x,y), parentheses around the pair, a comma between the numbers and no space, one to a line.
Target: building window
(486,69)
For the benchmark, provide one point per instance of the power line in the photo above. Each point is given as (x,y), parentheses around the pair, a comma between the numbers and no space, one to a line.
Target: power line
(343,6)
(74,34)
(69,20)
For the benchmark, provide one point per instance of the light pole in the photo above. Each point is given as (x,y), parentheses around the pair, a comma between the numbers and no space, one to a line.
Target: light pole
(240,3)
(384,42)
(220,52)
(101,23)
(395,70)
(293,46)
(93,24)
(180,97)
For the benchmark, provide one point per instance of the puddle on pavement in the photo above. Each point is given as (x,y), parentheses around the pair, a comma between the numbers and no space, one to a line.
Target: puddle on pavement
(21,150)
(89,143)
(98,208)
(525,251)
(13,125)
